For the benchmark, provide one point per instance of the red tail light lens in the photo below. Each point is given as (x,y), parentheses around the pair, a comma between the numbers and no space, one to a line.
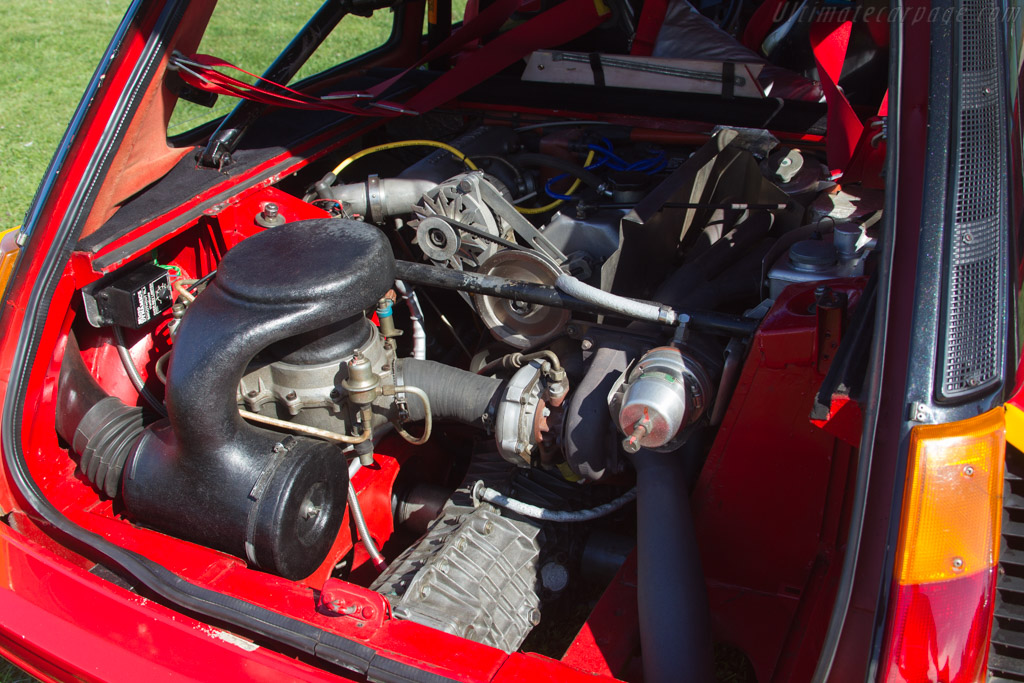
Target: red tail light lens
(941,612)
(941,630)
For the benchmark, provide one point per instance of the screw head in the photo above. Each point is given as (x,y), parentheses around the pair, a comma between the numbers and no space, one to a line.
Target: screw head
(958,564)
(968,471)
(587,344)
(270,210)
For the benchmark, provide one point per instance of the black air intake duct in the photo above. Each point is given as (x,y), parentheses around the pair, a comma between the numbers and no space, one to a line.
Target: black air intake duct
(207,476)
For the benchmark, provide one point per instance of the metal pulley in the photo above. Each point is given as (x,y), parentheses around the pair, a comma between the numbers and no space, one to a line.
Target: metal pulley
(517,323)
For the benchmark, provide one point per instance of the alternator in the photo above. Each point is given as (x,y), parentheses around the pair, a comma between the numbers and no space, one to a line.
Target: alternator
(454,223)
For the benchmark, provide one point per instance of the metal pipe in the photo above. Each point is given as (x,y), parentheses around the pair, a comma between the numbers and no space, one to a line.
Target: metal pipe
(356,512)
(419,335)
(133,373)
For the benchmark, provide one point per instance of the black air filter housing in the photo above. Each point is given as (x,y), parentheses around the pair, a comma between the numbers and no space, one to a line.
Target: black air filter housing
(207,476)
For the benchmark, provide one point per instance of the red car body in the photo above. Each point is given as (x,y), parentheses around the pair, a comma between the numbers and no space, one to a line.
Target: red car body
(799,521)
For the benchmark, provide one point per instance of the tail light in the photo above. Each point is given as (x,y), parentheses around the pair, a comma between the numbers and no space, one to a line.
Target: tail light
(8,256)
(941,612)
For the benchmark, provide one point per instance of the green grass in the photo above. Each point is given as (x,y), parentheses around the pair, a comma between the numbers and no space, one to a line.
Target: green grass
(12,674)
(51,48)
(235,36)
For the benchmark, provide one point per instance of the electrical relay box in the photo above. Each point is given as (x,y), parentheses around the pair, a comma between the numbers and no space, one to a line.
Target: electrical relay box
(128,298)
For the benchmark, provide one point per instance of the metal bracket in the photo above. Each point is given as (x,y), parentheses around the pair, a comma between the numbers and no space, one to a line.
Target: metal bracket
(368,608)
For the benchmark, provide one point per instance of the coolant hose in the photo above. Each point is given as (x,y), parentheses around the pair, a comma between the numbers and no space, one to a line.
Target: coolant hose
(631,308)
(675,622)
(455,394)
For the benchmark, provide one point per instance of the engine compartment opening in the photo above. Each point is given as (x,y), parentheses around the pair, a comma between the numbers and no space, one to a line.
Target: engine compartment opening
(488,380)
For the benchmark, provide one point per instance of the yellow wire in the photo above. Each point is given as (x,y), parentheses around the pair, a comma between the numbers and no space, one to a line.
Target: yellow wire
(558,202)
(405,143)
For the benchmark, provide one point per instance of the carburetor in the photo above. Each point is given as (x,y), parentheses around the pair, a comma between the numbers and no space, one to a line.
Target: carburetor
(361,386)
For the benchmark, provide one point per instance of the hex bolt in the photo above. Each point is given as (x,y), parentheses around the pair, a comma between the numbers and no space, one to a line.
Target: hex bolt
(270,216)
(587,344)
(631,444)
(310,511)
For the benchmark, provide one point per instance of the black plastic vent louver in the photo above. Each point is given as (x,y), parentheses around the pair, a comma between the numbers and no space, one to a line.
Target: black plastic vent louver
(974,318)
(1006,656)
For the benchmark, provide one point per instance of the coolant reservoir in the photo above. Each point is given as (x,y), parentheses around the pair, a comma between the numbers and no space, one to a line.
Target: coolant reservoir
(812,260)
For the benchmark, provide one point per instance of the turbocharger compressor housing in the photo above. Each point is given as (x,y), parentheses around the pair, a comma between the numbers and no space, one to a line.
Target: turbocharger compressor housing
(206,475)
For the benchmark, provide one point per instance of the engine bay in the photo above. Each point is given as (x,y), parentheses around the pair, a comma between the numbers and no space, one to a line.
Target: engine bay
(484,384)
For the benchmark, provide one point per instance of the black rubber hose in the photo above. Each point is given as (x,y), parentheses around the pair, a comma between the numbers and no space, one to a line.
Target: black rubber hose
(535,160)
(591,440)
(454,394)
(100,429)
(675,621)
(528,292)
